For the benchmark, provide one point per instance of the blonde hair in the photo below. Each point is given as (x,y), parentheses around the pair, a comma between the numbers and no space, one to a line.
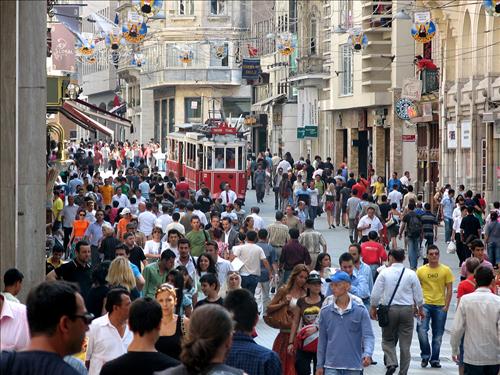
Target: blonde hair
(121,274)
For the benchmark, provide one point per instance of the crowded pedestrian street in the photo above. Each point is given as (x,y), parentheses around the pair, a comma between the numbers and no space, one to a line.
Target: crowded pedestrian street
(250,187)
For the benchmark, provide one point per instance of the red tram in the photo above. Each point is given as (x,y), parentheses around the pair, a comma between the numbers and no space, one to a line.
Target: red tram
(215,155)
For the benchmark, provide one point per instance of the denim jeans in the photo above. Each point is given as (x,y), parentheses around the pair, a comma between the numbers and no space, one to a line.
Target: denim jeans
(437,318)
(334,371)
(413,251)
(493,253)
(448,226)
(313,212)
(250,283)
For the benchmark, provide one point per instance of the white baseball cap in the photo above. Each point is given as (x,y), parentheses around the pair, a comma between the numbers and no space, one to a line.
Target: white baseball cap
(125,211)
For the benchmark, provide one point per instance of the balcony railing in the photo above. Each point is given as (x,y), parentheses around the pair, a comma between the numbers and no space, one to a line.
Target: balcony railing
(430,80)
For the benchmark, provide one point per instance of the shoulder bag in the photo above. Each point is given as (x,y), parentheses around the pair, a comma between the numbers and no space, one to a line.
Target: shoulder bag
(383,310)
(281,318)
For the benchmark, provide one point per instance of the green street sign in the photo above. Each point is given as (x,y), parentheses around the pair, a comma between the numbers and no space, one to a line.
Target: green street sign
(301,132)
(311,131)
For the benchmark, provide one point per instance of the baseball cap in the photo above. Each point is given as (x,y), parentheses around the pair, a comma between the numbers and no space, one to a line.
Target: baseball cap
(125,211)
(338,277)
(313,278)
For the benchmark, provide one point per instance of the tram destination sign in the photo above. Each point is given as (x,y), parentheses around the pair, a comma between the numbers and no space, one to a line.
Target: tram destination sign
(223,130)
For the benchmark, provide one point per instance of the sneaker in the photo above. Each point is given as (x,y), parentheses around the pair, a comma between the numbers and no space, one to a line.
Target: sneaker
(436,364)
(424,363)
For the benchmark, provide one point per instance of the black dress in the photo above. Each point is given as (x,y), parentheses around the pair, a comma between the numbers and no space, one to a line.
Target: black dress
(171,345)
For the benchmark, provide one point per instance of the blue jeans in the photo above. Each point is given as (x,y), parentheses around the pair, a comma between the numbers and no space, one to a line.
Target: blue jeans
(437,318)
(413,251)
(313,212)
(448,226)
(493,253)
(334,371)
(250,283)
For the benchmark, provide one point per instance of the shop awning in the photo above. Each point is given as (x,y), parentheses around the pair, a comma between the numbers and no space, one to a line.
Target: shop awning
(77,114)
(94,111)
(260,106)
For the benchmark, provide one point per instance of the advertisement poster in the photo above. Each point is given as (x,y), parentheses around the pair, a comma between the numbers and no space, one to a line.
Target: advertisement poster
(452,135)
(466,134)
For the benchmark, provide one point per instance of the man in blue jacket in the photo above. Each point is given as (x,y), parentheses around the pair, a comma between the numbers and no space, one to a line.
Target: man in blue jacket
(346,337)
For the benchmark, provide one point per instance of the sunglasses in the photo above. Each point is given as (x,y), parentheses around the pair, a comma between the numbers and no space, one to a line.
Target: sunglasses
(165,287)
(87,317)
(81,215)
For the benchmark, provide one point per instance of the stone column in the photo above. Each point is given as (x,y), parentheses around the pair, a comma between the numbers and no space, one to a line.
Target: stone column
(353,153)
(22,138)
(378,144)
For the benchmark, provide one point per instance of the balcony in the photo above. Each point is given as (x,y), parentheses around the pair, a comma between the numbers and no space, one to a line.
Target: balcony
(430,80)
(192,76)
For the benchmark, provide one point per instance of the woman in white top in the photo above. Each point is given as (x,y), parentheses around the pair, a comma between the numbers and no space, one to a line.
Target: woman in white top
(152,248)
(297,185)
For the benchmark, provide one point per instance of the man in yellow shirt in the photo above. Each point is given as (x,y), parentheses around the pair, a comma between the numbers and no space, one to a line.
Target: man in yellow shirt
(57,207)
(436,280)
(107,192)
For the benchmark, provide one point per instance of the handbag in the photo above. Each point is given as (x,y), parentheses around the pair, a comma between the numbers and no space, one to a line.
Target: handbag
(281,318)
(383,310)
(390,222)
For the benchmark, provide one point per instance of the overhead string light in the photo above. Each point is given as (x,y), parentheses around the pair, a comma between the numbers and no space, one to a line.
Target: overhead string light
(148,8)
(492,7)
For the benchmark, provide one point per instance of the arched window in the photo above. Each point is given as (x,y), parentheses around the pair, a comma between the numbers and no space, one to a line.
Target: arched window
(465,54)
(313,33)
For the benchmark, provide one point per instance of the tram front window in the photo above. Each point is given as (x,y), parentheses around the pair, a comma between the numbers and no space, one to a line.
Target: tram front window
(209,158)
(219,158)
(230,158)
(240,158)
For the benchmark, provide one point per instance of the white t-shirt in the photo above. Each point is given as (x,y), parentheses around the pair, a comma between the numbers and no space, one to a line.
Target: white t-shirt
(376,225)
(395,197)
(258,223)
(163,222)
(152,247)
(251,255)
(147,222)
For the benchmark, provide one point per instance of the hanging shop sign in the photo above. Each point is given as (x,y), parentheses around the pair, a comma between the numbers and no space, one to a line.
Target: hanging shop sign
(466,134)
(423,29)
(406,109)
(310,131)
(250,69)
(451,130)
(412,89)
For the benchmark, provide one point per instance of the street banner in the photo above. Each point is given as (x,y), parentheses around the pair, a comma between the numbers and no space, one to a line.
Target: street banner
(250,69)
(452,135)
(63,48)
(466,134)
(412,89)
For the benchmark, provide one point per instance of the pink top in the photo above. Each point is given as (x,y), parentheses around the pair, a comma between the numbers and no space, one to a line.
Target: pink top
(14,330)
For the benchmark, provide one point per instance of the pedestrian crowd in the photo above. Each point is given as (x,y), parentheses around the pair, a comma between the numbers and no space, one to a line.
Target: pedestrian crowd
(138,263)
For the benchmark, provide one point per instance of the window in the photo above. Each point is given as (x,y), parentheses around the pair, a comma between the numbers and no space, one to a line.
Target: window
(185,7)
(217,7)
(156,132)
(313,33)
(192,110)
(230,158)
(164,122)
(346,70)
(234,107)
(209,151)
(345,14)
(219,158)
(173,52)
(219,57)
(240,158)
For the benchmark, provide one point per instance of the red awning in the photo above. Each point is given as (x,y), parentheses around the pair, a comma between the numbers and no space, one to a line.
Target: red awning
(80,116)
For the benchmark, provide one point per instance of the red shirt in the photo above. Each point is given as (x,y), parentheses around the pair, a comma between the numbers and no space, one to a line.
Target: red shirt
(360,188)
(468,286)
(373,252)
(182,186)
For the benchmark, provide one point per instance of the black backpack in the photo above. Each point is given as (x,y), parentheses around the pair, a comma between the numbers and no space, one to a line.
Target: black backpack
(414,226)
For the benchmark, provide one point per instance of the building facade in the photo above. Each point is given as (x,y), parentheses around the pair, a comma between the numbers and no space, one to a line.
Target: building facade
(470,97)
(166,91)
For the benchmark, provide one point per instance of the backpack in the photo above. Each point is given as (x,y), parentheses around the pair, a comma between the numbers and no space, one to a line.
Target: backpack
(414,226)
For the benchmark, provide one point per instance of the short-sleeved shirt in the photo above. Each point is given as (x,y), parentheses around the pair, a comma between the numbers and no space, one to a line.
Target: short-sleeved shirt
(57,207)
(352,206)
(466,286)
(271,258)
(428,221)
(470,225)
(76,273)
(373,252)
(145,363)
(197,241)
(433,282)
(251,255)
(34,362)
(205,301)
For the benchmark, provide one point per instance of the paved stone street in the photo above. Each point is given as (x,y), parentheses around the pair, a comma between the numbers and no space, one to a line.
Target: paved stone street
(338,241)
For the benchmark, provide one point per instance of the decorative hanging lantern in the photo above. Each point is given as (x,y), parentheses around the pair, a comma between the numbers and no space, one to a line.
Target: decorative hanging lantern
(220,49)
(148,8)
(286,44)
(109,31)
(492,7)
(85,45)
(358,39)
(135,29)
(185,54)
(138,60)
(423,29)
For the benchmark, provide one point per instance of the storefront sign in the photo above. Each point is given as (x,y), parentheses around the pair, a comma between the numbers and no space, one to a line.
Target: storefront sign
(466,134)
(452,135)
(405,107)
(408,137)
(412,89)
(250,69)
(311,131)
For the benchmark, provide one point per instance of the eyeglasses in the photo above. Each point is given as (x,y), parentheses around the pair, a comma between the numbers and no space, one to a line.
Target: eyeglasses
(433,254)
(81,215)
(87,317)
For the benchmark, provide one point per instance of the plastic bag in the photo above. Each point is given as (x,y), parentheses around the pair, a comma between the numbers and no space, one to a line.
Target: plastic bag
(452,248)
